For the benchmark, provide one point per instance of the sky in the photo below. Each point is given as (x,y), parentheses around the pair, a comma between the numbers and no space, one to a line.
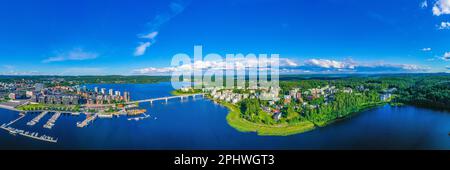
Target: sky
(140,37)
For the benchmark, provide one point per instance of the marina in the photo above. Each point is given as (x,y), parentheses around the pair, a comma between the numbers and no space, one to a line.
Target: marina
(89,119)
(51,122)
(36,119)
(14,121)
(33,135)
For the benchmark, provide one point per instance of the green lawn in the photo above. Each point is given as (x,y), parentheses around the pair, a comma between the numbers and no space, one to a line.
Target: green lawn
(242,125)
(32,107)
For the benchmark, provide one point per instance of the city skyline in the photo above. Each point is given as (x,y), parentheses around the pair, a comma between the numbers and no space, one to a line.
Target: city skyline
(140,38)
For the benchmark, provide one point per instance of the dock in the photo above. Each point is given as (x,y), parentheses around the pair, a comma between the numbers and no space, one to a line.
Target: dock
(88,120)
(36,119)
(139,118)
(33,135)
(51,122)
(14,121)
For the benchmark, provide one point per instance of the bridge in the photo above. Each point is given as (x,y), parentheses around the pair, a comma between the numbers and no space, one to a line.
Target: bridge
(182,97)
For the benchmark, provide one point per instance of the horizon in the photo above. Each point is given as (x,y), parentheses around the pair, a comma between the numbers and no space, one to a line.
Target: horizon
(297,74)
(86,38)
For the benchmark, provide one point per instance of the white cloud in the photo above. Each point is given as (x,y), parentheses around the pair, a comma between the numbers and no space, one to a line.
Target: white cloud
(444,25)
(239,64)
(21,73)
(448,67)
(83,71)
(441,7)
(140,50)
(153,70)
(290,62)
(426,49)
(424,4)
(76,54)
(175,7)
(288,66)
(324,63)
(446,56)
(151,35)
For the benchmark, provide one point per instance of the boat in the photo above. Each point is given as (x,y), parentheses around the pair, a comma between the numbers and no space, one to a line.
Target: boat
(139,118)
(13,132)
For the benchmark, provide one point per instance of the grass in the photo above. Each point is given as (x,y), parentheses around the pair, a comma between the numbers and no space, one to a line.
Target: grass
(32,107)
(242,125)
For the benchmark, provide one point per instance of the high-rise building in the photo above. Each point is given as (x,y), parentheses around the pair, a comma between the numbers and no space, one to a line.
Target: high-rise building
(103,90)
(96,89)
(117,93)
(126,96)
(111,92)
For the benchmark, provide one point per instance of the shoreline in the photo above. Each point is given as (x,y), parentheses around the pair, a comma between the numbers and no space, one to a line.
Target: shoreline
(242,125)
(235,121)
(9,108)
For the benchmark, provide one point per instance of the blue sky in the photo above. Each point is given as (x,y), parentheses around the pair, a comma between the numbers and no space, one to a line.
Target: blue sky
(140,36)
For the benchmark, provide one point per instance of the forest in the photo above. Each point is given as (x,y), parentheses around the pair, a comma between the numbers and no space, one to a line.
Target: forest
(425,90)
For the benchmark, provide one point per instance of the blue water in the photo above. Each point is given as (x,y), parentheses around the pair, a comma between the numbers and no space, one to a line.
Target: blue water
(201,124)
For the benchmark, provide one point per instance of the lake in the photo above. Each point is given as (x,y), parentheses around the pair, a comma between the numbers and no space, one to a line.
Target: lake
(200,124)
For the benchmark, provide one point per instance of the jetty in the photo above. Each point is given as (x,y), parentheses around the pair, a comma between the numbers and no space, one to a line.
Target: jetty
(89,119)
(51,122)
(37,119)
(33,135)
(14,121)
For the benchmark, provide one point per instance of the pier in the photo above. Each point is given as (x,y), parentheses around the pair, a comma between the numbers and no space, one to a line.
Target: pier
(37,119)
(51,122)
(33,135)
(14,121)
(88,120)
(182,97)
